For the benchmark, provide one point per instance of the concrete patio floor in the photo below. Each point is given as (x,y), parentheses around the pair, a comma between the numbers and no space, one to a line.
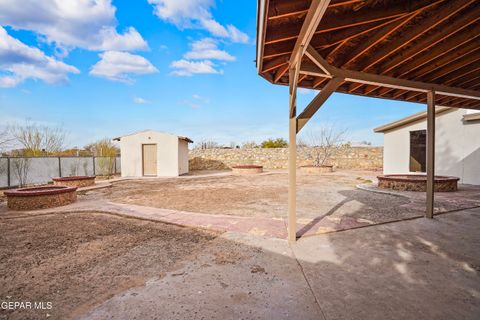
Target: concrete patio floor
(417,269)
(223,202)
(231,203)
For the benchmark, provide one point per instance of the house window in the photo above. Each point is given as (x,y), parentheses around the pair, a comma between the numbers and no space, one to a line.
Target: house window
(418,150)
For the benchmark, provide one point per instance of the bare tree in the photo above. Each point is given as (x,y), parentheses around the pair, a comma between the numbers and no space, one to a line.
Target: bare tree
(206,144)
(249,145)
(6,139)
(324,144)
(38,140)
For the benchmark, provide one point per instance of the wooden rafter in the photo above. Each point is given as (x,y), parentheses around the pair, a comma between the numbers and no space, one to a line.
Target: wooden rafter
(287,9)
(424,46)
(309,26)
(368,78)
(373,40)
(435,18)
(437,46)
(291,30)
(442,61)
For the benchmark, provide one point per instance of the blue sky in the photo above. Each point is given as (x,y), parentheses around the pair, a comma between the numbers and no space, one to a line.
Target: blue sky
(107,68)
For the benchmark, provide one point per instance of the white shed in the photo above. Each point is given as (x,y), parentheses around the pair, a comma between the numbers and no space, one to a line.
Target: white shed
(457,144)
(153,153)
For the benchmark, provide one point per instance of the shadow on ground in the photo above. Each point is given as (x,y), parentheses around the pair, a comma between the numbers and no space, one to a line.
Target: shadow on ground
(97,267)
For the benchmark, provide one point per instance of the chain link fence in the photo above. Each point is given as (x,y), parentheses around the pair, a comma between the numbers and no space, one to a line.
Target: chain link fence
(17,171)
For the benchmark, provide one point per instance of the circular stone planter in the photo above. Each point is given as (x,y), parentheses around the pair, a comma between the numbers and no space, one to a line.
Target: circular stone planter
(75,181)
(316,169)
(416,182)
(247,169)
(40,197)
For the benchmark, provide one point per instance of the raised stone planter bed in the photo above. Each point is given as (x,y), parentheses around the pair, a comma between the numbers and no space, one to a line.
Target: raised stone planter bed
(416,182)
(316,169)
(40,197)
(247,169)
(75,181)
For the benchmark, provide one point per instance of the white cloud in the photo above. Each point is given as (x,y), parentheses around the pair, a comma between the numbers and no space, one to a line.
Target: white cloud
(307,91)
(88,24)
(19,62)
(140,100)
(117,66)
(207,49)
(196,102)
(185,68)
(196,14)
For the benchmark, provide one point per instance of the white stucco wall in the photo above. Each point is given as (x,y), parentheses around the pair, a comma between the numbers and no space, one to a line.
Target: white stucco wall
(182,157)
(168,150)
(457,147)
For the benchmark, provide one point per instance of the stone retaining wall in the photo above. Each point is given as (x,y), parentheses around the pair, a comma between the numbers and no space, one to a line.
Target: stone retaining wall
(218,159)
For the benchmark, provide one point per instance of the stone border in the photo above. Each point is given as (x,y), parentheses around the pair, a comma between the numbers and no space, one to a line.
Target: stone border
(75,181)
(416,182)
(247,169)
(40,197)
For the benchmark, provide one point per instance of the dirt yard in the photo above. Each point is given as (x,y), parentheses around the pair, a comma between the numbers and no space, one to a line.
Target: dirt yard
(77,261)
(259,196)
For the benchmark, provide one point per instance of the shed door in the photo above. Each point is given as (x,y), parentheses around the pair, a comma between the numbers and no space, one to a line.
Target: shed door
(149,159)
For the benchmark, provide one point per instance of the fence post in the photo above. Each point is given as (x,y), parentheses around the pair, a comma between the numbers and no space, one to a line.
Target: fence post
(115,162)
(59,167)
(8,172)
(94,165)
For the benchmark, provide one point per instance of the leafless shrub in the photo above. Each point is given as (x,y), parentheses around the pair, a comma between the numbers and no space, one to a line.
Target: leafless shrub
(322,145)
(21,167)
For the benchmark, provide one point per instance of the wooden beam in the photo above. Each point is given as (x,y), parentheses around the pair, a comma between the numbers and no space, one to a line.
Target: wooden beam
(318,81)
(281,72)
(319,61)
(261,33)
(288,8)
(374,79)
(440,63)
(282,31)
(440,52)
(292,155)
(436,17)
(325,40)
(274,63)
(430,154)
(443,13)
(423,46)
(317,102)
(310,25)
(293,83)
(374,39)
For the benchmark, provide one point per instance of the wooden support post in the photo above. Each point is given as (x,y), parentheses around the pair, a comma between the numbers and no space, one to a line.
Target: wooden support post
(430,153)
(292,159)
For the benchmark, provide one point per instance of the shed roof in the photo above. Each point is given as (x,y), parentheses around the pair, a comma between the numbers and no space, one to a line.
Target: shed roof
(429,41)
(143,131)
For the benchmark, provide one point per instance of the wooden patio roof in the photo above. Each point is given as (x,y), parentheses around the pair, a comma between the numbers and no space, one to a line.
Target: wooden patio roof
(429,43)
